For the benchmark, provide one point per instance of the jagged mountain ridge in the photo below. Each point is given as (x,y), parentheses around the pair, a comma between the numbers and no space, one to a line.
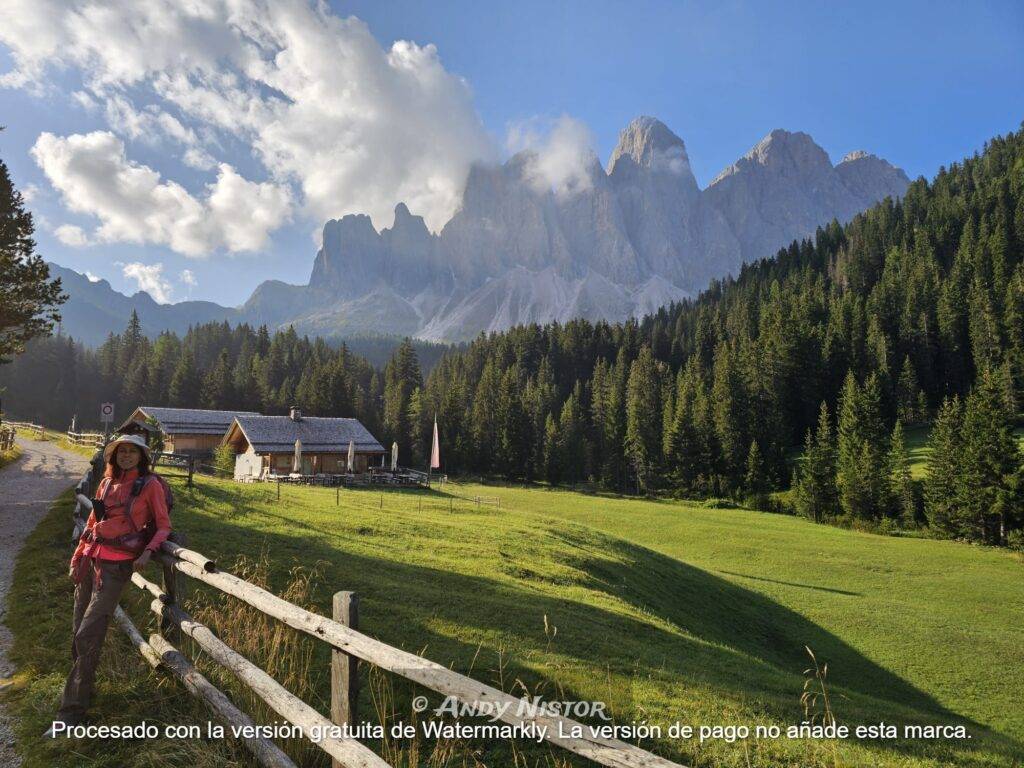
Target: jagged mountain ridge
(619,241)
(609,244)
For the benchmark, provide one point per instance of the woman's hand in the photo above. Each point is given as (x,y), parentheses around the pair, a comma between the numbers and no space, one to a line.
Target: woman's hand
(142,560)
(79,568)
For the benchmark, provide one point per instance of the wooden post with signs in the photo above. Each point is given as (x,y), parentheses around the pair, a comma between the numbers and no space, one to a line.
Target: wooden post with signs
(106,416)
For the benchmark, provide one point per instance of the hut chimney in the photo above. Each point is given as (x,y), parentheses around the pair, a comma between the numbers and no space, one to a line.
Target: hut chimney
(295,414)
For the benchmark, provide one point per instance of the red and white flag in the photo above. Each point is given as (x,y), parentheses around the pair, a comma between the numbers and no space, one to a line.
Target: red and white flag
(435,451)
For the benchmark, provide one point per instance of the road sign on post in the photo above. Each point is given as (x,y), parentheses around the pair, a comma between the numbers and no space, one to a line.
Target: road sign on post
(106,416)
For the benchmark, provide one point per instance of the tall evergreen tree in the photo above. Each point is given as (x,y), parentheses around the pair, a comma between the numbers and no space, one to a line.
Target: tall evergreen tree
(186,385)
(402,377)
(643,419)
(816,493)
(901,484)
(942,485)
(29,300)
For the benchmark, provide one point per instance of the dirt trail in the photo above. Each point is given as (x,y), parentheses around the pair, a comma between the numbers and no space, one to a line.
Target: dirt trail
(27,488)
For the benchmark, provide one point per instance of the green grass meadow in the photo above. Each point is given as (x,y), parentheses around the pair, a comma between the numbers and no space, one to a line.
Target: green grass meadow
(668,611)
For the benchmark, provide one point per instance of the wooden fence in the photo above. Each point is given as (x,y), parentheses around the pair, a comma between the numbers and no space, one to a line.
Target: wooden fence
(86,439)
(349,647)
(183,461)
(28,427)
(7,435)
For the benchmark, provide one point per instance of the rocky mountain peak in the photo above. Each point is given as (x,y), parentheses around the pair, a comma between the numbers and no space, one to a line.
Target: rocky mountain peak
(406,224)
(870,177)
(542,237)
(784,151)
(648,143)
(858,154)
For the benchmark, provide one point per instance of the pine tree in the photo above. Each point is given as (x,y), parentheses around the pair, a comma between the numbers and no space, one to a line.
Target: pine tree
(643,439)
(29,300)
(484,418)
(514,439)
(685,450)
(862,476)
(731,415)
(942,484)
(185,388)
(572,437)
(909,395)
(401,377)
(817,496)
(901,483)
(755,481)
(552,451)
(218,391)
(989,460)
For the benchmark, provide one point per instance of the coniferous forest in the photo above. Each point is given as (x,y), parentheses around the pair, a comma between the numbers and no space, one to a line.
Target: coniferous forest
(802,373)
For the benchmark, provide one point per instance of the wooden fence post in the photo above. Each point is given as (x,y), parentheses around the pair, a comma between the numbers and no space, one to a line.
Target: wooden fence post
(344,667)
(168,628)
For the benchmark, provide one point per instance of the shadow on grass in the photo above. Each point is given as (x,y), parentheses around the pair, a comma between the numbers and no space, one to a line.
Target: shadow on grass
(706,630)
(677,625)
(833,590)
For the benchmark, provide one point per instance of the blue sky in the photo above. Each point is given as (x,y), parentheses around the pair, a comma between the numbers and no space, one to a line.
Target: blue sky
(920,84)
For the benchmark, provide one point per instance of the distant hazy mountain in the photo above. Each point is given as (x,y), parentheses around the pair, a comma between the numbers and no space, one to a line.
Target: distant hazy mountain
(618,243)
(94,309)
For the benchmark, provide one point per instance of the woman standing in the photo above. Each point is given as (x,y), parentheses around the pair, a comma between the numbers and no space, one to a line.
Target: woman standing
(128,523)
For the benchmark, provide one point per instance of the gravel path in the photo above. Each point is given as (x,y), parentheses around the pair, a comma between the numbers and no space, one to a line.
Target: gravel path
(27,488)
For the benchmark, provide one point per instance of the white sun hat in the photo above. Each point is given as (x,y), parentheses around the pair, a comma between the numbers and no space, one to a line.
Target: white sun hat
(135,440)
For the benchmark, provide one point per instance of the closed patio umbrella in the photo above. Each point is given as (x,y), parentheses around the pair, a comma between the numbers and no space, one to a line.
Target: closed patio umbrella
(351,456)
(394,457)
(297,464)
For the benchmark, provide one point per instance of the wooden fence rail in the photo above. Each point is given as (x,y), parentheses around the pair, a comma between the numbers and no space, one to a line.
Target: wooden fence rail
(184,461)
(160,653)
(348,646)
(27,426)
(7,436)
(86,439)
(346,640)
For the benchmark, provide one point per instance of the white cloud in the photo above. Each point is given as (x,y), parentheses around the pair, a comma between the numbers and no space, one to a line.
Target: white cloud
(71,235)
(148,124)
(559,153)
(92,278)
(355,127)
(150,279)
(134,204)
(199,158)
(188,278)
(30,192)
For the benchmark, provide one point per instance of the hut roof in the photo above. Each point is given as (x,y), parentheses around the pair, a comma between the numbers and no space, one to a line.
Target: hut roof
(319,434)
(190,421)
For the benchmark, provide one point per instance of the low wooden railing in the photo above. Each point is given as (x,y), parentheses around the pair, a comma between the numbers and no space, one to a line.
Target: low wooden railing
(86,439)
(183,461)
(349,647)
(27,426)
(7,435)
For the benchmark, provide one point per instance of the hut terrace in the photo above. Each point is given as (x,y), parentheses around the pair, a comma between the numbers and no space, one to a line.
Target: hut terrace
(265,445)
(185,430)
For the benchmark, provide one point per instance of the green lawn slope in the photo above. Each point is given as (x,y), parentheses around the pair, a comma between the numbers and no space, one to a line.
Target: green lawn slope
(665,610)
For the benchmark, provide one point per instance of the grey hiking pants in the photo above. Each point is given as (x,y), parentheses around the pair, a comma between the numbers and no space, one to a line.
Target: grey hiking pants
(93,609)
